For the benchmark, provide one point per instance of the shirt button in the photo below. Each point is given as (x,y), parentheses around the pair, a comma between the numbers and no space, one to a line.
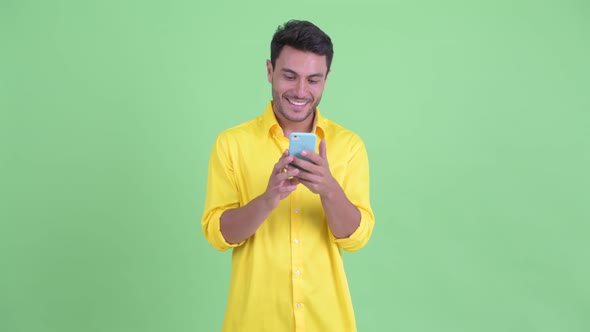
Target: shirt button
(296,210)
(297,272)
(296,240)
(298,305)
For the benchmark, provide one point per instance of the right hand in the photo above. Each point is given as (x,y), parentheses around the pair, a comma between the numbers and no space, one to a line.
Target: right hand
(282,181)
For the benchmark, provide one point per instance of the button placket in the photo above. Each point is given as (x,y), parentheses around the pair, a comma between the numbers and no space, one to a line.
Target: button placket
(296,256)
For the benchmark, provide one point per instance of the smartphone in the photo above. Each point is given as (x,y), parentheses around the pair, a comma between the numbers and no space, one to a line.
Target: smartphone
(299,142)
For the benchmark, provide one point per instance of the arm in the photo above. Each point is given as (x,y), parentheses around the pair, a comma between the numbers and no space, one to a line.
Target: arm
(342,216)
(239,224)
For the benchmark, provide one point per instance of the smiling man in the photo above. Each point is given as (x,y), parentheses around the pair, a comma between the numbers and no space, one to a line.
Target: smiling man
(286,226)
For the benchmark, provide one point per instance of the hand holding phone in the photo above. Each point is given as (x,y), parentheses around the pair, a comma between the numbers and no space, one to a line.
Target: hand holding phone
(298,142)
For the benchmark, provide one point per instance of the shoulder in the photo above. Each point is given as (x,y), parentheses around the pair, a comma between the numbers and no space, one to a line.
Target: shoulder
(243,131)
(339,134)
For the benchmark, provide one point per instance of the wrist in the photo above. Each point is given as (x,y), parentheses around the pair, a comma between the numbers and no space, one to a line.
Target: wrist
(331,191)
(265,203)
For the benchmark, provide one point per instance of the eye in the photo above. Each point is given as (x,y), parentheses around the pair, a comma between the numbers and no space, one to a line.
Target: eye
(314,81)
(289,77)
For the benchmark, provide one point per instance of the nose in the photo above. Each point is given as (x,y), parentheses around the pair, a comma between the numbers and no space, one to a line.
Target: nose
(300,88)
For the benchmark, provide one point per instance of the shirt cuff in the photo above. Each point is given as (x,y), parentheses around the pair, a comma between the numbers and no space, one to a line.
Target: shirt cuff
(214,235)
(360,236)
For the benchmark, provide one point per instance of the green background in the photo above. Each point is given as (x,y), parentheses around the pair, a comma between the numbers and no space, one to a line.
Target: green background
(475,115)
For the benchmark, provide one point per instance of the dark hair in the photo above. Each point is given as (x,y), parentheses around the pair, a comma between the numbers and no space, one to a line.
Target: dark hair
(304,36)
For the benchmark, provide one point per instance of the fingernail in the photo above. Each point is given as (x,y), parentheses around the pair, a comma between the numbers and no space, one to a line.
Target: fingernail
(303,153)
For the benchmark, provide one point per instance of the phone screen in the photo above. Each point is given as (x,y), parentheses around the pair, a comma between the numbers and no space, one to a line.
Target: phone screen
(301,141)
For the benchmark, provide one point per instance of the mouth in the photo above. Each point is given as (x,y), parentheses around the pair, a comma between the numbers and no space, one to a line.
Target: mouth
(299,104)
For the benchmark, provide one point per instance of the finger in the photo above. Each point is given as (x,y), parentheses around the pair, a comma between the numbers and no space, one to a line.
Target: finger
(306,165)
(323,152)
(285,175)
(282,163)
(307,177)
(314,157)
(285,160)
(286,189)
(307,184)
(293,181)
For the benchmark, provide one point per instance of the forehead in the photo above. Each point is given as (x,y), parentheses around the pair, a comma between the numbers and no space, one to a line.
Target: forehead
(302,62)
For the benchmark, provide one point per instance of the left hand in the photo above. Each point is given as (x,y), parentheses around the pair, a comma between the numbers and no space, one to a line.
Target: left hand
(317,176)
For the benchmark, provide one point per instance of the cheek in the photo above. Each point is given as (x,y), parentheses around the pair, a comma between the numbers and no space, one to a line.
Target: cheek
(280,87)
(317,91)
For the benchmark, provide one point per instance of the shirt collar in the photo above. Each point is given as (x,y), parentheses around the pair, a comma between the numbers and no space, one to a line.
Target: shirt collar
(270,122)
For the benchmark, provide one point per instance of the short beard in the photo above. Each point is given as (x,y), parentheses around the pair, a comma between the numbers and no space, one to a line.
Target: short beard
(278,106)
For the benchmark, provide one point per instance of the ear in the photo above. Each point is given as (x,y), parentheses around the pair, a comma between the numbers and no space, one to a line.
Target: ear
(269,70)
(328,73)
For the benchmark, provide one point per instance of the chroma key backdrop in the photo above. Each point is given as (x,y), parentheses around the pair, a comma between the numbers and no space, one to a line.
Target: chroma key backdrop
(475,114)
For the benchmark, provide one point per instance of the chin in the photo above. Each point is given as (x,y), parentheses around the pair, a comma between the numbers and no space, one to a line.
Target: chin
(298,115)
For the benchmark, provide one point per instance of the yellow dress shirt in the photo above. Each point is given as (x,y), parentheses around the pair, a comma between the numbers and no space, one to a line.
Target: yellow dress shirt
(289,275)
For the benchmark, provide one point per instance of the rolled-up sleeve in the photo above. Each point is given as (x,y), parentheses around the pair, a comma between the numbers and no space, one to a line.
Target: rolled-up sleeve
(356,188)
(222,194)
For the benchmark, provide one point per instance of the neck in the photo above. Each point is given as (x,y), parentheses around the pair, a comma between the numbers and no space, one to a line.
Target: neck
(289,127)
(301,127)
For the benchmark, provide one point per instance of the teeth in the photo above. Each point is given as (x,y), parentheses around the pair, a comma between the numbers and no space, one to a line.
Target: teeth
(296,103)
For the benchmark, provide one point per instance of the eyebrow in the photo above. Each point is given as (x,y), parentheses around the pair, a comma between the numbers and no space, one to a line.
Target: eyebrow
(291,71)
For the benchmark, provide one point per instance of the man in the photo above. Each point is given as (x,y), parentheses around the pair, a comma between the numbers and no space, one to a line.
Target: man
(286,226)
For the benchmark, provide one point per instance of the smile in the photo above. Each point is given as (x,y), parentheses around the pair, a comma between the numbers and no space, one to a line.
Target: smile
(297,103)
